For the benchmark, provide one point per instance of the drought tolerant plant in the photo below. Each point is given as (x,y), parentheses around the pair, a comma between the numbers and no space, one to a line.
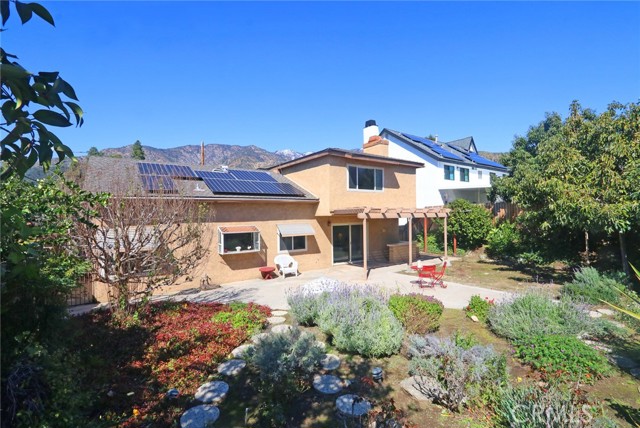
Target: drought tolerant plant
(453,375)
(479,307)
(563,358)
(285,363)
(534,313)
(530,406)
(594,287)
(419,314)
(356,317)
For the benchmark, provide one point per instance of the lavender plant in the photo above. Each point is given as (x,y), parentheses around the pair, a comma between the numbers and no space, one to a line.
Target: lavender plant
(534,313)
(356,317)
(452,375)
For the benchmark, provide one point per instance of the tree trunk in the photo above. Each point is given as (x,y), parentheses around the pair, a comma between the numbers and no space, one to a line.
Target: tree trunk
(586,247)
(623,254)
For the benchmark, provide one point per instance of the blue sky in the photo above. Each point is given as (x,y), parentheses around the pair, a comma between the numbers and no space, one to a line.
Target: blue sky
(306,75)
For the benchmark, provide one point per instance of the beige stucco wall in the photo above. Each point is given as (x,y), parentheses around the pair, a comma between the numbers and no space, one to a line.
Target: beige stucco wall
(327,178)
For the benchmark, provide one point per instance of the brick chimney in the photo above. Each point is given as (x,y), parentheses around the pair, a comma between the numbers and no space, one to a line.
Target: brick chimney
(372,143)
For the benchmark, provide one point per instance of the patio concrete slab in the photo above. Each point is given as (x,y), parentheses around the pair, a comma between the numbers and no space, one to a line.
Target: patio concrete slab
(274,293)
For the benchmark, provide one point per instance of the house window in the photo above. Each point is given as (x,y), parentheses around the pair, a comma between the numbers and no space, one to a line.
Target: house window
(449,172)
(361,178)
(479,175)
(464,174)
(238,239)
(293,243)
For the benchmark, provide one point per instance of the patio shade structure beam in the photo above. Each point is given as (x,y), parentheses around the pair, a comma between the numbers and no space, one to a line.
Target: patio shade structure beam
(371,213)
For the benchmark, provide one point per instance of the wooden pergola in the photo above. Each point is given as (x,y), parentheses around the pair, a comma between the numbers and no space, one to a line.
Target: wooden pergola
(373,213)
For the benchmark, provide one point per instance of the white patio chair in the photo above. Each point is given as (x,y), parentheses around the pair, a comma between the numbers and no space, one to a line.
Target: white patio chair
(285,264)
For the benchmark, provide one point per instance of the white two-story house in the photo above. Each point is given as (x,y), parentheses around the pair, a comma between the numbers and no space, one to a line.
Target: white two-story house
(452,170)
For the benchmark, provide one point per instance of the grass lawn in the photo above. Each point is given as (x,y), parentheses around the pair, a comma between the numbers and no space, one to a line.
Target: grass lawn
(129,370)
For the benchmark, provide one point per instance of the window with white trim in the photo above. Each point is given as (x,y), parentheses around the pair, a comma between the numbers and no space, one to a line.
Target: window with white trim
(234,240)
(362,178)
(449,172)
(464,174)
(479,175)
(292,243)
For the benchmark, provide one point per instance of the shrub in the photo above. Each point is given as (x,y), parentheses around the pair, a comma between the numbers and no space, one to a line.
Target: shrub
(285,363)
(454,376)
(532,314)
(419,314)
(479,307)
(563,357)
(503,242)
(529,406)
(471,223)
(356,317)
(306,300)
(589,284)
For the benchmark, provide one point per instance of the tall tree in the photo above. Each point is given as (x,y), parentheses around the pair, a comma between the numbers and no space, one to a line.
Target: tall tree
(30,103)
(137,152)
(582,173)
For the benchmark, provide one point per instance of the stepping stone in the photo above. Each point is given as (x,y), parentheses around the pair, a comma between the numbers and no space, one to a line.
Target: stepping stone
(605,311)
(276,320)
(258,337)
(278,313)
(327,384)
(623,362)
(200,416)
(594,314)
(418,387)
(618,324)
(231,367)
(352,405)
(283,328)
(241,350)
(597,345)
(212,392)
(330,362)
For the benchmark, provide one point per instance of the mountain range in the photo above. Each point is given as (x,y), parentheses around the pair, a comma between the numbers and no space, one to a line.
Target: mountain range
(248,157)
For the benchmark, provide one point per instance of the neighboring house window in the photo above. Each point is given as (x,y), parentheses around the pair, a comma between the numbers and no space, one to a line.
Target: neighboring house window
(239,239)
(293,243)
(361,178)
(479,175)
(449,172)
(464,174)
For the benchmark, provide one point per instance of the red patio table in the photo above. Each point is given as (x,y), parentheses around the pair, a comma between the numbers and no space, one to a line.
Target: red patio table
(267,272)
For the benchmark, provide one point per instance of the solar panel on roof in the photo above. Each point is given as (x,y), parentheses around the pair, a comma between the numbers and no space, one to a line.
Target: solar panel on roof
(433,146)
(252,175)
(484,161)
(175,171)
(158,184)
(214,175)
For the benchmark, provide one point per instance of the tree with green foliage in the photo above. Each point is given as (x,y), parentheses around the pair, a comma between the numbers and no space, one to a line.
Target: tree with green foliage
(39,267)
(581,174)
(137,152)
(30,103)
(469,223)
(93,151)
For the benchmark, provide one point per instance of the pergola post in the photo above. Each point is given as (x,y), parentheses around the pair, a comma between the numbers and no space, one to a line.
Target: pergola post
(425,234)
(364,246)
(410,226)
(445,237)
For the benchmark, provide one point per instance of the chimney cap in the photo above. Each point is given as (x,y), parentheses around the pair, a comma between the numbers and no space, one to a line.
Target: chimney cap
(370,122)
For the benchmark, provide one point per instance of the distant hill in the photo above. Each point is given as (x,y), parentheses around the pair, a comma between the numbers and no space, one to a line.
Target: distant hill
(491,155)
(250,157)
